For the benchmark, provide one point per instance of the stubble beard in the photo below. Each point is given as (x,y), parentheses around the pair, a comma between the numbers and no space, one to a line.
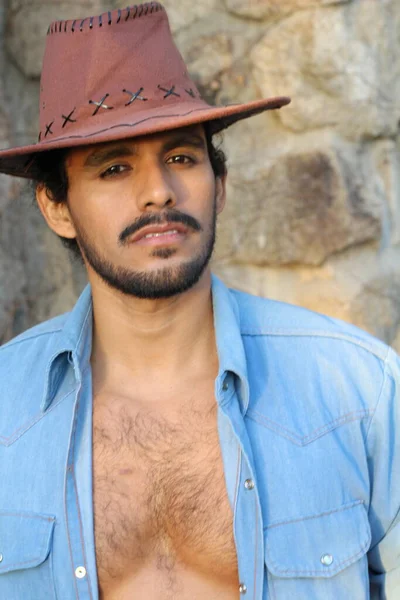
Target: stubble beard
(160,284)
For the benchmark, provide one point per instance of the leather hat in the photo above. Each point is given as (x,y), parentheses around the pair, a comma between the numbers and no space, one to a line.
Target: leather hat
(113,76)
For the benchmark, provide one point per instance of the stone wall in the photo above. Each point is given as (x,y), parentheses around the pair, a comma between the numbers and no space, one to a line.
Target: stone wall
(313,214)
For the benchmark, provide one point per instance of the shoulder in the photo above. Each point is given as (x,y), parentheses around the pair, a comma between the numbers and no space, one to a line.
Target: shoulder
(265,318)
(38,341)
(315,368)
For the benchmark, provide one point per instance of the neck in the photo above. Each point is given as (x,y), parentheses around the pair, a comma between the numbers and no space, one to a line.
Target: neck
(152,340)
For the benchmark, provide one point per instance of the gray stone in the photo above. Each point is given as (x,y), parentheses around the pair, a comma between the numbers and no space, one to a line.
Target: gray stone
(12,298)
(51,282)
(306,207)
(5,182)
(377,307)
(21,96)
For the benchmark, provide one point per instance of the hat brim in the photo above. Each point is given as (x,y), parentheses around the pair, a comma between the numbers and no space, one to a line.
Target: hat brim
(19,161)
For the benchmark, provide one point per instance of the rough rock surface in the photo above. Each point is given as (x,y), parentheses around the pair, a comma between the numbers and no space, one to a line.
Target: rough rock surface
(313,213)
(306,207)
(273,9)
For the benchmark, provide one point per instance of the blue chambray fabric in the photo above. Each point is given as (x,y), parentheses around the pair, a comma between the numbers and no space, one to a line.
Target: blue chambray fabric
(308,420)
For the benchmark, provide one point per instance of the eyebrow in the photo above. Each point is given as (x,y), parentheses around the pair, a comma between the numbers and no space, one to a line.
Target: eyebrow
(103,155)
(184,139)
(98,157)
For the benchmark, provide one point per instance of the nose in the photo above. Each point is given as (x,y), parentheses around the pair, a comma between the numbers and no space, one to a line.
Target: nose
(157,189)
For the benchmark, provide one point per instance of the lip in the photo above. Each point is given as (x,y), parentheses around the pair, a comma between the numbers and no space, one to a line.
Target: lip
(140,236)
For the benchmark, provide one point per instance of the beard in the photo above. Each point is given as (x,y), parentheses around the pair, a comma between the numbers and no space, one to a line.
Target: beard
(165,282)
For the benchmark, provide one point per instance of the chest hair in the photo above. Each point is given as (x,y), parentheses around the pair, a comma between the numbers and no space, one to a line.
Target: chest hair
(159,493)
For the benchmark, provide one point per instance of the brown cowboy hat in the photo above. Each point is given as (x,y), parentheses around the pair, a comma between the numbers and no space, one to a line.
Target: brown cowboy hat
(118,75)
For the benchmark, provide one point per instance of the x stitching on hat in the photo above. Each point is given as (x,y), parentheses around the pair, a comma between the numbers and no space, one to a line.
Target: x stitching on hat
(100,105)
(135,96)
(68,118)
(190,92)
(48,129)
(170,92)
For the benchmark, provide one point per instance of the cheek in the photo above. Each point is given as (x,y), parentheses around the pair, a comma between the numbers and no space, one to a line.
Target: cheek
(199,193)
(97,215)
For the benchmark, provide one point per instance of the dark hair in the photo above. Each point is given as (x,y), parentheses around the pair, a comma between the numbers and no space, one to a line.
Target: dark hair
(49,171)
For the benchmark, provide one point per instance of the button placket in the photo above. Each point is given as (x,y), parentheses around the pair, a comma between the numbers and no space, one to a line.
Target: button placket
(248,499)
(82,583)
(247,517)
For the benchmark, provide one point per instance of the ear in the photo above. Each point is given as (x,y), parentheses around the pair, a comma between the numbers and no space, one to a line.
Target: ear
(220,193)
(56,214)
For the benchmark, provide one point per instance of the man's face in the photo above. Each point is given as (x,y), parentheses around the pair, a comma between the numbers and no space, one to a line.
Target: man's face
(143,211)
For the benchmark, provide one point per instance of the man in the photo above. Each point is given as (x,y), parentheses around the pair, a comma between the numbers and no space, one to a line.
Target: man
(170,438)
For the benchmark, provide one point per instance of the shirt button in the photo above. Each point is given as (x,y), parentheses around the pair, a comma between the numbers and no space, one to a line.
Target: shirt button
(1,558)
(225,385)
(242,588)
(327,560)
(80,572)
(249,484)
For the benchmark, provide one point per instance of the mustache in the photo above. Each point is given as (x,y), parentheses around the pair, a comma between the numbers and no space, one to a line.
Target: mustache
(168,216)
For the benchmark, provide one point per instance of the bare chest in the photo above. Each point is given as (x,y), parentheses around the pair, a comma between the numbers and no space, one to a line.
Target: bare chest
(160,496)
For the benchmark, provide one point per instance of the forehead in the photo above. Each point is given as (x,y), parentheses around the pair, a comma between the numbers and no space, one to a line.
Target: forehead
(81,153)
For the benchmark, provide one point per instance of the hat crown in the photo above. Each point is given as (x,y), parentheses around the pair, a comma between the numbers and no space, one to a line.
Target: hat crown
(122,62)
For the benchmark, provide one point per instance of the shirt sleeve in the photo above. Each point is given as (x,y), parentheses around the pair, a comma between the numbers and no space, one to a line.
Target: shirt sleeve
(383,447)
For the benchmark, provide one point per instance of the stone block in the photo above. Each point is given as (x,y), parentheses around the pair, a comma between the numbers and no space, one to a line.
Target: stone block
(305,207)
(273,9)
(213,46)
(21,97)
(11,294)
(340,66)
(185,12)
(208,56)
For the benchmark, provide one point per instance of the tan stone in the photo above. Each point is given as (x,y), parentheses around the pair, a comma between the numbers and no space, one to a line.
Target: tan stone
(272,9)
(185,12)
(306,206)
(208,56)
(339,65)
(213,48)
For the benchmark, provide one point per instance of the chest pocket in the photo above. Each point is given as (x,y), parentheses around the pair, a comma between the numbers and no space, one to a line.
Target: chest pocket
(320,556)
(25,544)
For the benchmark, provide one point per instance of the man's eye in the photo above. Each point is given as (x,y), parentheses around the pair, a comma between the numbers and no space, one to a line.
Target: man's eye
(113,171)
(180,159)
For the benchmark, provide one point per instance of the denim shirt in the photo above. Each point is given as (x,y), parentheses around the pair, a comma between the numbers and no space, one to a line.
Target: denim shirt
(308,420)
